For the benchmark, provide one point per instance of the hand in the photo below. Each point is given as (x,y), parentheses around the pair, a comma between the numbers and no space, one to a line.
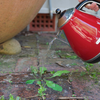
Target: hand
(92,6)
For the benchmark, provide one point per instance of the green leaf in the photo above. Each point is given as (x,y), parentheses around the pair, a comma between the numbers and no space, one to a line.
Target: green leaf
(34,70)
(52,72)
(98,73)
(59,73)
(47,43)
(10,81)
(54,86)
(11,97)
(73,95)
(94,75)
(91,64)
(83,73)
(73,57)
(2,98)
(18,98)
(41,91)
(42,70)
(39,82)
(73,64)
(30,81)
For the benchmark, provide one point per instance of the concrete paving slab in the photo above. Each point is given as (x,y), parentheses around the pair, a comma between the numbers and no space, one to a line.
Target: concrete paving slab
(85,87)
(8,63)
(24,64)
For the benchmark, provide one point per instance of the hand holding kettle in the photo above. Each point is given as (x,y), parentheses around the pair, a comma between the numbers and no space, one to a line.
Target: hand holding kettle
(92,6)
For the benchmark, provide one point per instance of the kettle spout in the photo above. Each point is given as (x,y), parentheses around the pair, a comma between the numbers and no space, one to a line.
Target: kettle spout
(64,16)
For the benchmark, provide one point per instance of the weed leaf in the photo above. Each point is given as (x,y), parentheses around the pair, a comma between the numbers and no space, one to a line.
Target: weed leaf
(30,81)
(18,98)
(83,73)
(41,90)
(73,64)
(59,73)
(34,70)
(42,70)
(39,82)
(2,98)
(11,97)
(54,86)
(73,57)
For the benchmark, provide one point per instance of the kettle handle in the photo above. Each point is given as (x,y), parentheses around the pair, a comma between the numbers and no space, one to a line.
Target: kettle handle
(85,2)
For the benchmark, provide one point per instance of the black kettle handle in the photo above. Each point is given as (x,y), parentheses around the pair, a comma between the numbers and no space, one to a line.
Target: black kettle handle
(85,2)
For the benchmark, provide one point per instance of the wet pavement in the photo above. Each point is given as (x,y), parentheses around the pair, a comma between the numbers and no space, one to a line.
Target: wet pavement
(82,82)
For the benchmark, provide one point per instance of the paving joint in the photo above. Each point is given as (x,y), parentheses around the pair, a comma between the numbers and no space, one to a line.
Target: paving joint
(37,52)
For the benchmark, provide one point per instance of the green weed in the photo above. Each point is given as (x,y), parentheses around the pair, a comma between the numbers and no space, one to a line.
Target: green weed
(44,81)
(11,97)
(47,43)
(59,52)
(88,71)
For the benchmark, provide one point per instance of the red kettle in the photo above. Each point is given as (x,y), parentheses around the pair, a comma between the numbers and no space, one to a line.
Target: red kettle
(82,31)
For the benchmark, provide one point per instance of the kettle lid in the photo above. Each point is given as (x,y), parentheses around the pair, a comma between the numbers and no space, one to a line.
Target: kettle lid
(64,16)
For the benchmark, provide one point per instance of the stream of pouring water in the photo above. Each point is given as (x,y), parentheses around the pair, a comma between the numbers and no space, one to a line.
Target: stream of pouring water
(56,38)
(44,57)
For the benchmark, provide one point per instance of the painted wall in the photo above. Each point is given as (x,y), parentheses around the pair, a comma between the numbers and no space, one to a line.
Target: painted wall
(62,4)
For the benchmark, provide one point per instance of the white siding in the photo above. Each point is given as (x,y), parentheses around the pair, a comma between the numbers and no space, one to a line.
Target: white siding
(62,4)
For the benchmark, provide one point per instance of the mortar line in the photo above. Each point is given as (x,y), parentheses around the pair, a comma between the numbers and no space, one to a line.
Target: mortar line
(37,51)
(71,86)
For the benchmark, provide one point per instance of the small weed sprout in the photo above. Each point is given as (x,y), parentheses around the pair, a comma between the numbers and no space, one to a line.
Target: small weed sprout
(11,97)
(92,74)
(44,81)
